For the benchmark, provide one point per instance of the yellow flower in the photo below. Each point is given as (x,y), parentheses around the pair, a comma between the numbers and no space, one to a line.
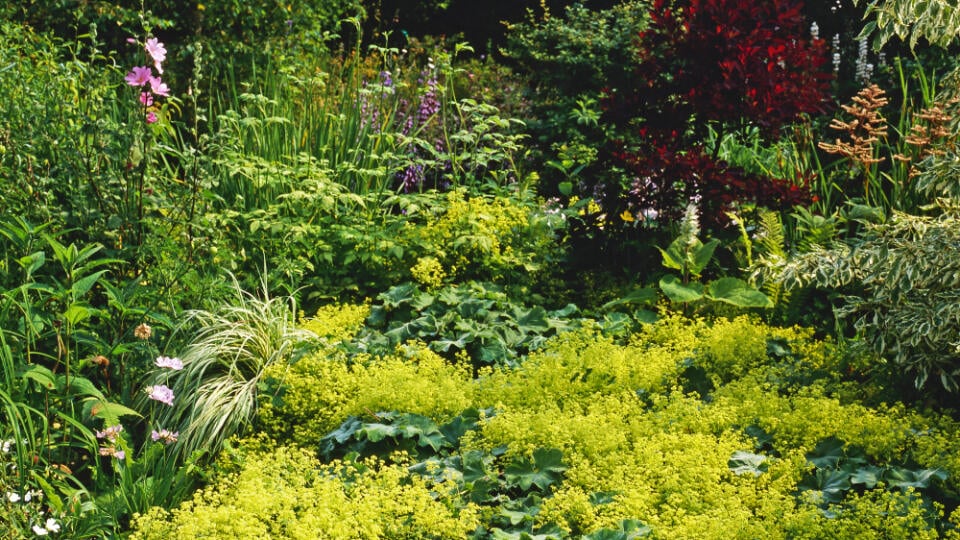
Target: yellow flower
(627,216)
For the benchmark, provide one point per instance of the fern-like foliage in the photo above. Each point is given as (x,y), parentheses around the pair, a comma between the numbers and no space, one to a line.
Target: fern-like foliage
(770,244)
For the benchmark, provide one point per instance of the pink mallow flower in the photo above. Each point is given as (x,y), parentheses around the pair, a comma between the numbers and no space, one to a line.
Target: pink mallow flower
(139,76)
(165,436)
(171,363)
(151,117)
(158,87)
(161,393)
(146,98)
(156,51)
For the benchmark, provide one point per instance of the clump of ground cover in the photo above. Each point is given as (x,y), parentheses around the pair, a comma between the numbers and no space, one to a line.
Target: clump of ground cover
(690,429)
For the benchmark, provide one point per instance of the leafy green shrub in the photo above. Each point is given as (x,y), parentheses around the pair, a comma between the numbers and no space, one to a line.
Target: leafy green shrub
(570,58)
(477,319)
(64,135)
(337,244)
(501,239)
(908,308)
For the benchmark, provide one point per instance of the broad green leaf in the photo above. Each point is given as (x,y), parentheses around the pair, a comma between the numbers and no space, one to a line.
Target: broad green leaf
(701,256)
(737,292)
(80,386)
(545,469)
(32,262)
(868,476)
(398,295)
(675,256)
(532,320)
(77,313)
(422,301)
(645,295)
(680,292)
(833,484)
(41,375)
(748,463)
(827,454)
(629,529)
(906,478)
(84,284)
(376,432)
(108,411)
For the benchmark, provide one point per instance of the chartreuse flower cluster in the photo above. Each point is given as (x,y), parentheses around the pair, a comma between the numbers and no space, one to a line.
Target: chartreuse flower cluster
(654,430)
(483,237)
(288,494)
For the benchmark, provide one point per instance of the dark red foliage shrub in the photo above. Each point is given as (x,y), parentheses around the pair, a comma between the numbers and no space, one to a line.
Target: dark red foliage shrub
(724,64)
(727,62)
(666,180)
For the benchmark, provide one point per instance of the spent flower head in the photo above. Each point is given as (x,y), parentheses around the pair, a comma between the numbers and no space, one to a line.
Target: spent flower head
(112,451)
(143,330)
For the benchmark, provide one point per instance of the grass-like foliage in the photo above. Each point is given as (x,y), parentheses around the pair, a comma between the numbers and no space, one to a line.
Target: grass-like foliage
(224,364)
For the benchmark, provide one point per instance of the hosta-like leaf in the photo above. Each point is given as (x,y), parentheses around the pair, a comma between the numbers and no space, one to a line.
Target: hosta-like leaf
(833,484)
(868,476)
(738,293)
(630,529)
(398,295)
(646,296)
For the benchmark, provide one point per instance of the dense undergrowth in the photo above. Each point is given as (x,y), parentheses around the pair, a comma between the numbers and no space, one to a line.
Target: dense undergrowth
(695,429)
(611,281)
